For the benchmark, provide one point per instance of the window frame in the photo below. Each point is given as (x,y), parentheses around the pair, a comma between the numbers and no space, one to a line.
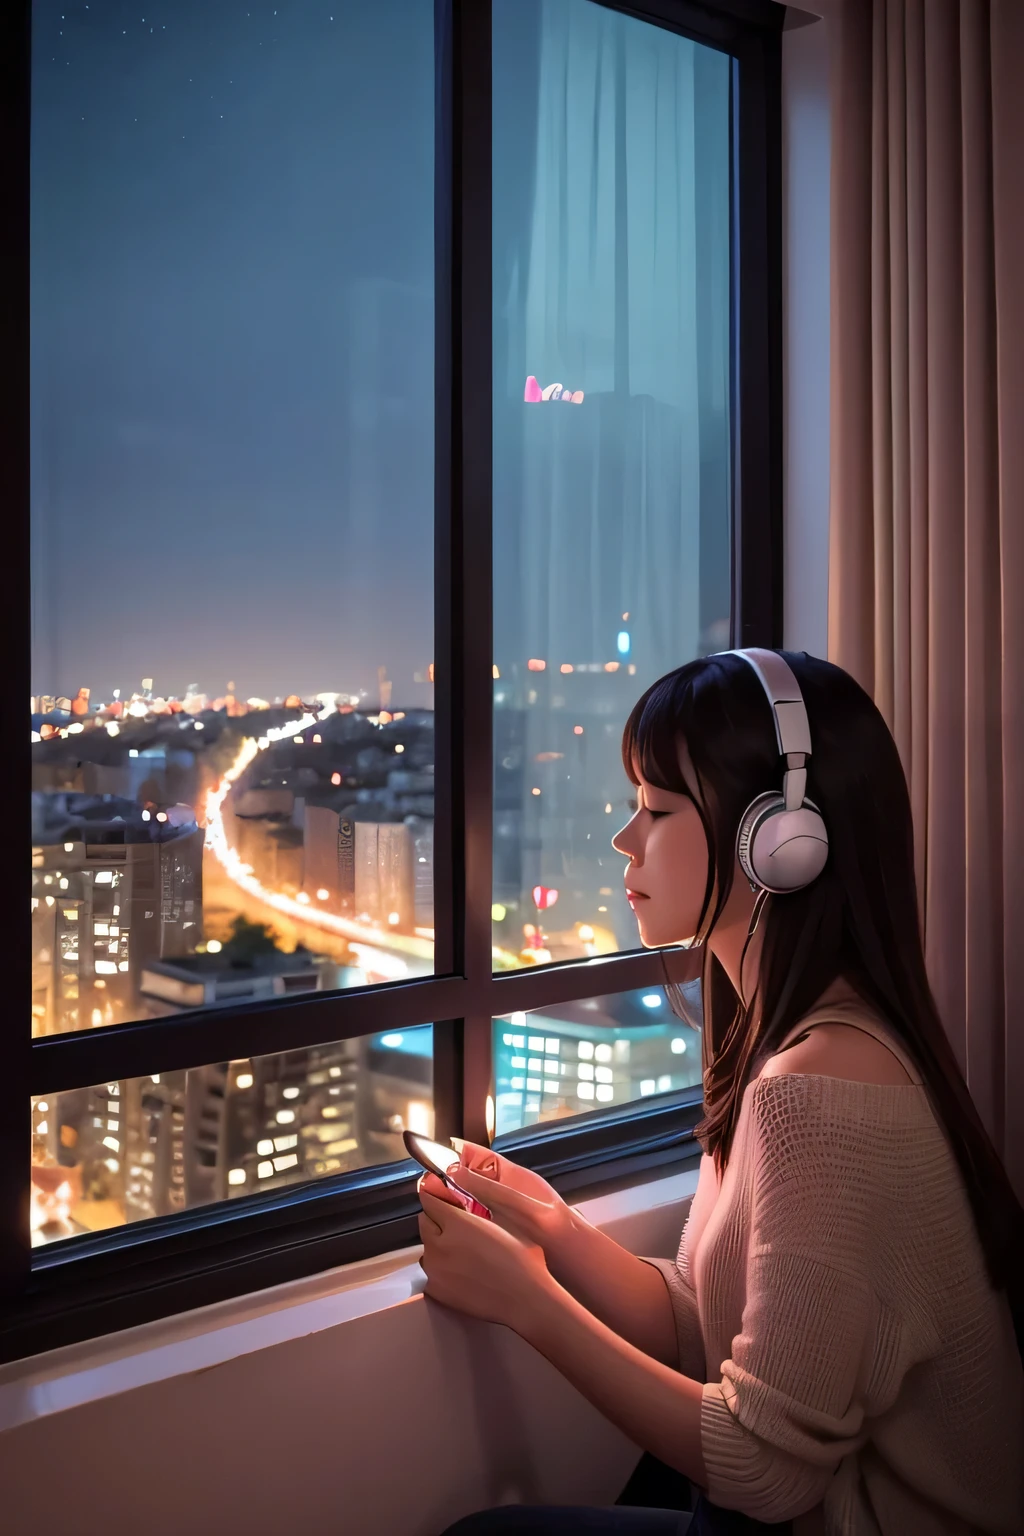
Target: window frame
(86,1286)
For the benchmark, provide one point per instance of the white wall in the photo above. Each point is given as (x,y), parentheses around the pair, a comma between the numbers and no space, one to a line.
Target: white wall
(805,150)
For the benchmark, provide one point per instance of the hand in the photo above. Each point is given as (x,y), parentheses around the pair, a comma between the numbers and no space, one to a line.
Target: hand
(520,1201)
(478,1268)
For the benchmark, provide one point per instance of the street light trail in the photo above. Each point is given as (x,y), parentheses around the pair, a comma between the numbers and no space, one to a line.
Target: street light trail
(380,949)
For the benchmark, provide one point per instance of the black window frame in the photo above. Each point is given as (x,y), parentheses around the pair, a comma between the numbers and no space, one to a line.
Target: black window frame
(89,1285)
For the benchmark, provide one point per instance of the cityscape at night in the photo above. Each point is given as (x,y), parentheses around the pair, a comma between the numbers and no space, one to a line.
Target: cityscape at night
(233,483)
(199,852)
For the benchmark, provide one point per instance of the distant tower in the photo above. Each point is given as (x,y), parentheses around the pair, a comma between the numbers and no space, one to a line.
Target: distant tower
(384,684)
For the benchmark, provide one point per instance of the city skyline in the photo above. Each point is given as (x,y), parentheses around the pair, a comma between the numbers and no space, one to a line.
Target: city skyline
(315,819)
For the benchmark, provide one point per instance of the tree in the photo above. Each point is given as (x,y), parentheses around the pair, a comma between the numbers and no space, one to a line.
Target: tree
(248,941)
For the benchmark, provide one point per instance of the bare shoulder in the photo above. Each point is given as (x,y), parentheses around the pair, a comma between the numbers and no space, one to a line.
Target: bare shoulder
(839,1050)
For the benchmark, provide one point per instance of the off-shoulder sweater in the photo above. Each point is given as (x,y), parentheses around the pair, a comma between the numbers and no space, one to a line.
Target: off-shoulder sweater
(861,1376)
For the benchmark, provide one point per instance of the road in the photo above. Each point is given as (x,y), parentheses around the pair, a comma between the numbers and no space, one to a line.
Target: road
(231,887)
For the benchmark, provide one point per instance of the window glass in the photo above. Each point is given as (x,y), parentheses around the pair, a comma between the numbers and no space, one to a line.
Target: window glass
(553,1063)
(232,502)
(612,479)
(151,1146)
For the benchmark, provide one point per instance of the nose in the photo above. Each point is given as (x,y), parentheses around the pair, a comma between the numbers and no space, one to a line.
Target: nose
(629,840)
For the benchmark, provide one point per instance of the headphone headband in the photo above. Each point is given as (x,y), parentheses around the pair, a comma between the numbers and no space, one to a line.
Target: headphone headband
(792,729)
(776,676)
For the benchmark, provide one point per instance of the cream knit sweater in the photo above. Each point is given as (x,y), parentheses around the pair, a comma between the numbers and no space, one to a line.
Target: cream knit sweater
(861,1376)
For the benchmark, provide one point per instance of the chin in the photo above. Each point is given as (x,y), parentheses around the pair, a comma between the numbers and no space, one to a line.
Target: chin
(650,938)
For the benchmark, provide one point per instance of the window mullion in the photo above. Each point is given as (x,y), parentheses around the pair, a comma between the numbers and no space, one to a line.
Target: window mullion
(60,1062)
(550,986)
(757,328)
(470,547)
(471,540)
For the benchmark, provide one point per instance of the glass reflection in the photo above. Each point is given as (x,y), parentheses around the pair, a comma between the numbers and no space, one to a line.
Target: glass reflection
(152,1146)
(553,1063)
(612,517)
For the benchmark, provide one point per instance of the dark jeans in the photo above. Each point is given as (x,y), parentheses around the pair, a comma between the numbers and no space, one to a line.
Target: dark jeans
(557,1519)
(655,1502)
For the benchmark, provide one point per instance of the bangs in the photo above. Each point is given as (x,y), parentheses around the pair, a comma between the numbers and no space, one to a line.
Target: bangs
(658,722)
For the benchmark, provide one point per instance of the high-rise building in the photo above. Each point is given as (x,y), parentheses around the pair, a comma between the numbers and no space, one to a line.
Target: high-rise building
(590,1055)
(384,880)
(321,848)
(155,1155)
(112,888)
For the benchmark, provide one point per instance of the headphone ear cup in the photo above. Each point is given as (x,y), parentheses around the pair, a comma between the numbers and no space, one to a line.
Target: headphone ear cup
(749,822)
(778,850)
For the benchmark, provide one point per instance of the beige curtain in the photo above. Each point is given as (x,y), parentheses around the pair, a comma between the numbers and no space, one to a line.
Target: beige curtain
(926,581)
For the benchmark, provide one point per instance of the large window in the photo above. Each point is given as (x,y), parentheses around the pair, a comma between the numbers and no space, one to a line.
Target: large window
(397,398)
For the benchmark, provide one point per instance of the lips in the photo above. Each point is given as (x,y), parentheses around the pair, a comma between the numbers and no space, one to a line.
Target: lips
(634,897)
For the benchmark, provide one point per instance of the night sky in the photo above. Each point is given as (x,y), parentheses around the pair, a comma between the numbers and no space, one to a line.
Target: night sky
(232,315)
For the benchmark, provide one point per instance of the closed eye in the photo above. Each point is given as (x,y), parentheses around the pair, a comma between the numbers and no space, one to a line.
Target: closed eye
(634,806)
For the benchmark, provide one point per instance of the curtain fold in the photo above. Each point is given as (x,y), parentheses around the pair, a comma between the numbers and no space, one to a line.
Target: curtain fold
(927,479)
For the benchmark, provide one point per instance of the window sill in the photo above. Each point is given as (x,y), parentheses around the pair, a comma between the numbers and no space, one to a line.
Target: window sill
(644,1217)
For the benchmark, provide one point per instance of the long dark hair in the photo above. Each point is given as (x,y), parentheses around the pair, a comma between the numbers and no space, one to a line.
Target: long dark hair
(859,921)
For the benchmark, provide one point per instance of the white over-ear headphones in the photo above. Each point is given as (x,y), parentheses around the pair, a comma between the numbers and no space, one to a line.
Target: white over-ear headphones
(782,844)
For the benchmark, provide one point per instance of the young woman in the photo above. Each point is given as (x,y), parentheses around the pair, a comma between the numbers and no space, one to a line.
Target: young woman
(834,1349)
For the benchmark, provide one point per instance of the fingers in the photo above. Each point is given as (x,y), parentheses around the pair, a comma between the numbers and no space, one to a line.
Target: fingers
(436,1187)
(428,1230)
(488,1189)
(481,1159)
(441,1212)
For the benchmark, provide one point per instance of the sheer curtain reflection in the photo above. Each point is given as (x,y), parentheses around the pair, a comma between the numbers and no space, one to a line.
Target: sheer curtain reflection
(616,282)
(612,517)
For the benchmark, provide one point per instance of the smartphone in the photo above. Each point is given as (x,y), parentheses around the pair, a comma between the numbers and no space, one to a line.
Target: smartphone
(440,1160)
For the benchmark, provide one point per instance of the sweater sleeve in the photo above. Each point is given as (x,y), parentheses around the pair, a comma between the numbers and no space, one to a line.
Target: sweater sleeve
(789,1405)
(689,1339)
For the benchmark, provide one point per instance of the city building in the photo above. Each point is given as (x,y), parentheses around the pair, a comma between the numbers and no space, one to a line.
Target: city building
(114,887)
(151,1146)
(326,866)
(589,1055)
(208,980)
(383,881)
